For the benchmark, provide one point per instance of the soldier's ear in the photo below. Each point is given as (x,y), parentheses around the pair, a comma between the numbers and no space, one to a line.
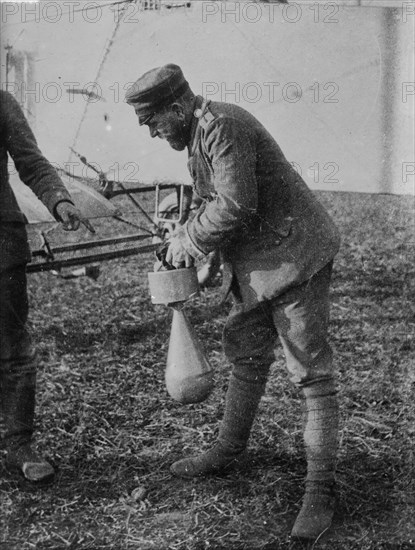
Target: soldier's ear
(179,110)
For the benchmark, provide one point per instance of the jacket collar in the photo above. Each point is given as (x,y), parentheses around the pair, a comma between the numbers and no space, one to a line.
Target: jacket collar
(199,109)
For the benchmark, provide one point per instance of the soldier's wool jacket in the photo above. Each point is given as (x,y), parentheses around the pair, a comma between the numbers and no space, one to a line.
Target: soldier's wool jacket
(272,231)
(18,141)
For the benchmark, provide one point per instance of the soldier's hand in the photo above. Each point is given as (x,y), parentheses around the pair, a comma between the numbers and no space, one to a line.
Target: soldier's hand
(106,187)
(176,254)
(71,217)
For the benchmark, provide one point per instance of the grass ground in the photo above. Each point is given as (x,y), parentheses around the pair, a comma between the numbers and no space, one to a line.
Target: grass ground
(106,422)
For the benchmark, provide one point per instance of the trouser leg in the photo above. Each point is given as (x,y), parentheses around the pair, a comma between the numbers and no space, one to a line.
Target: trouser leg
(17,361)
(18,390)
(18,378)
(301,317)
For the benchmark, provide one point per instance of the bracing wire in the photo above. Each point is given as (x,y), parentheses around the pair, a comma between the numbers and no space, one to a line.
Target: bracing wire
(107,50)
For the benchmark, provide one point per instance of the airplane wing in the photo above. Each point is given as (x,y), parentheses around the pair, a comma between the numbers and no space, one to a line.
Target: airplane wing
(90,202)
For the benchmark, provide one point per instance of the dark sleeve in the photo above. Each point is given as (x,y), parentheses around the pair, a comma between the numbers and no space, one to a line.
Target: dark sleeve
(33,168)
(231,149)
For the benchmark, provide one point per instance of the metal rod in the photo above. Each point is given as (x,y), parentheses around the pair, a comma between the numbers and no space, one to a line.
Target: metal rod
(136,225)
(82,260)
(144,188)
(92,244)
(180,199)
(138,205)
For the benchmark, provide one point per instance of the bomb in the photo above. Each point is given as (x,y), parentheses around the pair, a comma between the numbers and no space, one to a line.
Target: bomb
(188,375)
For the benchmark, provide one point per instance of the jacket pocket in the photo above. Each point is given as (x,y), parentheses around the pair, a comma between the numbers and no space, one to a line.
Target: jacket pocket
(284,229)
(275,234)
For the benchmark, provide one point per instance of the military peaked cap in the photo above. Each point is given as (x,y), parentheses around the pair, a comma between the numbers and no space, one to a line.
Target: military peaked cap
(155,89)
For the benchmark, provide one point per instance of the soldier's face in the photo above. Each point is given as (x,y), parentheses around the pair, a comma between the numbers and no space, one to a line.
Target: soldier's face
(168,125)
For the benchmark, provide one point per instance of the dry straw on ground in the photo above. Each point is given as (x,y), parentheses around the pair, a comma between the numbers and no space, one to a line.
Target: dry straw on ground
(106,422)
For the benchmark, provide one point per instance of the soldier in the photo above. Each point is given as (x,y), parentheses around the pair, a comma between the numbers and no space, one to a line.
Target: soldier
(277,244)
(17,359)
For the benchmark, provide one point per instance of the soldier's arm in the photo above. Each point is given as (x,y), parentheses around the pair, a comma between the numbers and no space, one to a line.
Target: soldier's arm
(33,168)
(231,149)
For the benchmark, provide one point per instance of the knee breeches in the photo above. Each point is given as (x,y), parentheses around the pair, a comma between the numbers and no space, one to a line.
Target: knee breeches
(298,318)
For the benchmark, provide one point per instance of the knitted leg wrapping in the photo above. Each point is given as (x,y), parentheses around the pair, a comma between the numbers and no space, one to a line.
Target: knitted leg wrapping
(321,440)
(321,432)
(242,399)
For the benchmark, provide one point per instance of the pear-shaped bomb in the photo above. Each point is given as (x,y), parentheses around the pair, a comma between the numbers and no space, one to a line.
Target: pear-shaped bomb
(189,376)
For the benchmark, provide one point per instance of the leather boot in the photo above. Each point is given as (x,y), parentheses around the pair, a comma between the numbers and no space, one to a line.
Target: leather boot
(320,437)
(24,459)
(18,389)
(242,399)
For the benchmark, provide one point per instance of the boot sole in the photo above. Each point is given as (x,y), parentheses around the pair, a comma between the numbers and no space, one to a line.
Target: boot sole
(14,469)
(235,464)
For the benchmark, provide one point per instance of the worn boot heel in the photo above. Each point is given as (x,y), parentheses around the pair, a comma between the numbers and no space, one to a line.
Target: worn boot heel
(29,463)
(219,459)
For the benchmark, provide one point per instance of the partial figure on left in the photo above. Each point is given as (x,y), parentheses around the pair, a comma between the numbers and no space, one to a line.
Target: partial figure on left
(17,357)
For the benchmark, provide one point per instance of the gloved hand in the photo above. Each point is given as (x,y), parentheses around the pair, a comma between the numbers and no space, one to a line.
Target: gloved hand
(161,264)
(106,187)
(71,217)
(177,255)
